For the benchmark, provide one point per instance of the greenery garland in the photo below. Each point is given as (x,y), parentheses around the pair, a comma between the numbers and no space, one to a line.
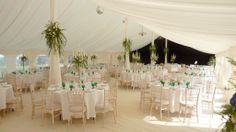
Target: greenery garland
(127,43)
(55,39)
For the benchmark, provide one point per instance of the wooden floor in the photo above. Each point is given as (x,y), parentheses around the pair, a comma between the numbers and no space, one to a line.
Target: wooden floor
(130,119)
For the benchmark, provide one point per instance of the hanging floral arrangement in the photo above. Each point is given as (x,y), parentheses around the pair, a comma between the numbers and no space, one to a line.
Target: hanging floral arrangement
(136,57)
(55,38)
(212,61)
(23,60)
(127,43)
(152,48)
(173,58)
(166,50)
(154,57)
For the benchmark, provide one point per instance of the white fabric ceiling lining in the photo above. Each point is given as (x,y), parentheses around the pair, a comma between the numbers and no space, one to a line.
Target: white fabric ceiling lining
(24,25)
(85,29)
(14,19)
(173,22)
(114,20)
(29,31)
(205,25)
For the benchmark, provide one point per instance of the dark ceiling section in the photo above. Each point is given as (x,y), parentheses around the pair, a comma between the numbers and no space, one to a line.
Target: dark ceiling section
(184,55)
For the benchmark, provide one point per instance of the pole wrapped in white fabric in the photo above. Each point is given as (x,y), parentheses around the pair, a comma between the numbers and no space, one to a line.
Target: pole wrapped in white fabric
(127,61)
(151,54)
(54,58)
(55,70)
(166,54)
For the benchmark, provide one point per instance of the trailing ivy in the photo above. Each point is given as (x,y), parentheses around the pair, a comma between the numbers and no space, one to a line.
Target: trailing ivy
(127,43)
(55,38)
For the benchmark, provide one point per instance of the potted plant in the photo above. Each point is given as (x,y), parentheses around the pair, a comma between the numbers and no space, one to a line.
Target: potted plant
(55,38)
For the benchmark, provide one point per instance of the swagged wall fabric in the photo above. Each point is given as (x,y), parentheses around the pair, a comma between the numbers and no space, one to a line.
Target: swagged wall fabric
(22,22)
(199,24)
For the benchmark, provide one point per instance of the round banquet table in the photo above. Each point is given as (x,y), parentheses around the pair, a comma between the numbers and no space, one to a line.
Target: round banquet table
(92,97)
(175,95)
(6,94)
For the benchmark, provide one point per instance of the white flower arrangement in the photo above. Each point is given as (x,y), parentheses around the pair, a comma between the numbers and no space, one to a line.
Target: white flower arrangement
(136,57)
(173,58)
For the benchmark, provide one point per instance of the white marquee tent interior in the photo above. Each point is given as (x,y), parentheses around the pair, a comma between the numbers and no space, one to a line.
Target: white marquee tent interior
(207,26)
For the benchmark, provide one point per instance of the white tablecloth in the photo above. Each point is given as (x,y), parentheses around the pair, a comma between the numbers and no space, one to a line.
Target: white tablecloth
(174,95)
(93,97)
(6,94)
